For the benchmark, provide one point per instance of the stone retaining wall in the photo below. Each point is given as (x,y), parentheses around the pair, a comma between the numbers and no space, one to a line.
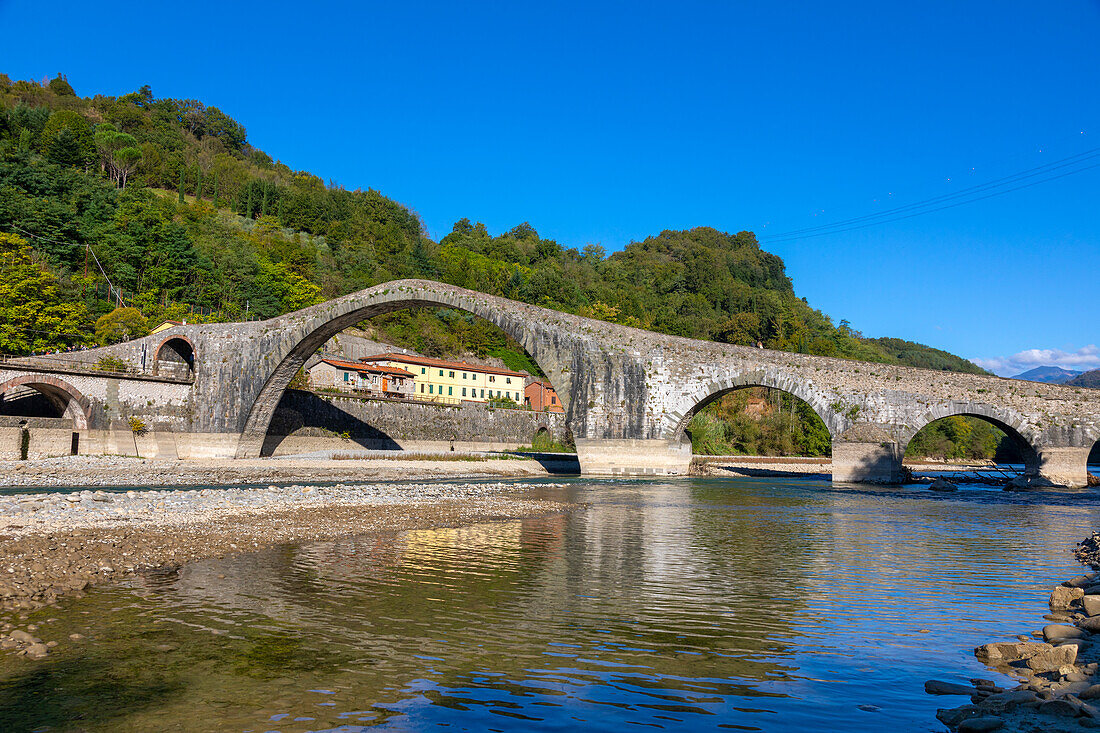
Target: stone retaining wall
(306,421)
(47,437)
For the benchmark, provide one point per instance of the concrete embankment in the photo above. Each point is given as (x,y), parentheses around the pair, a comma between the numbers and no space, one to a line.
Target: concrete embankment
(1057,668)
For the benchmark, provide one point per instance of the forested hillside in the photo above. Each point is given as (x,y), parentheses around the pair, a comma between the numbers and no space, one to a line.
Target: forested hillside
(1089,379)
(183,213)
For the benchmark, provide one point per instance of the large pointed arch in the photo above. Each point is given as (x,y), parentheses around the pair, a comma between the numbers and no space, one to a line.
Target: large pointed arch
(310,328)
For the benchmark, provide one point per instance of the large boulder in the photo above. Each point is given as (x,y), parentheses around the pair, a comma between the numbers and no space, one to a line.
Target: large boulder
(1026,483)
(1037,656)
(942,484)
(1088,551)
(1061,632)
(1063,598)
(939,687)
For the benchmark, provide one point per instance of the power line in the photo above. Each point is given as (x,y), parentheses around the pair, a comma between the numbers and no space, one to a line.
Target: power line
(813,232)
(88,247)
(996,183)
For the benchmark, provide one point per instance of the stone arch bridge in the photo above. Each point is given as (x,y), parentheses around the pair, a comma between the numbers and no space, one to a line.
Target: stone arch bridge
(211,390)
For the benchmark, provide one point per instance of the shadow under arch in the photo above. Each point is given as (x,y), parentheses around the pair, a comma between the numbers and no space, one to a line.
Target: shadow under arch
(66,399)
(691,404)
(317,324)
(1022,436)
(175,354)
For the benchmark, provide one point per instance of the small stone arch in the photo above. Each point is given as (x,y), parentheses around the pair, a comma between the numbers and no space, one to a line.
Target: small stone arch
(66,398)
(175,356)
(699,398)
(1092,458)
(1025,437)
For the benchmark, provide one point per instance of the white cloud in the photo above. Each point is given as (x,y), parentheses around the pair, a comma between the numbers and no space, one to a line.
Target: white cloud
(1084,359)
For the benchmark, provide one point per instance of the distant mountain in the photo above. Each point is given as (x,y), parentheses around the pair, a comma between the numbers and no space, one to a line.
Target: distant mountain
(1048,374)
(1086,379)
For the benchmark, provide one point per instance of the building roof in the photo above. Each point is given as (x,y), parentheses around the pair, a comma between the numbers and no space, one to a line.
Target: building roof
(541,383)
(165,325)
(441,363)
(354,366)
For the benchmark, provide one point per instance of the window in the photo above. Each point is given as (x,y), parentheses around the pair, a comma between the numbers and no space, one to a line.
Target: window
(450,391)
(463,375)
(430,388)
(492,378)
(423,370)
(508,380)
(422,389)
(451,375)
(441,372)
(482,393)
(553,399)
(346,376)
(463,391)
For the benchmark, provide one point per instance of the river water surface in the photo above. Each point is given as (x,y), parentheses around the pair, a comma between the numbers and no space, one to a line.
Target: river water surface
(686,605)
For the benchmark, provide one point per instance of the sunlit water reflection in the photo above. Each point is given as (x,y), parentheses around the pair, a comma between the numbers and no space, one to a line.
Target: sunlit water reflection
(683,605)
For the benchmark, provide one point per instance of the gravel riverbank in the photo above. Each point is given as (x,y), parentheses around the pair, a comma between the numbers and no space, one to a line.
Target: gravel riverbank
(127,471)
(1057,669)
(60,543)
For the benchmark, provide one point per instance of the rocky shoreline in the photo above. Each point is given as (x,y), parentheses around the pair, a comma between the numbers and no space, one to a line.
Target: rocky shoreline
(52,545)
(1057,668)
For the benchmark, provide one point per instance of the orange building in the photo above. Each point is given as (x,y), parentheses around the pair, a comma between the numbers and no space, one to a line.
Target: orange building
(540,396)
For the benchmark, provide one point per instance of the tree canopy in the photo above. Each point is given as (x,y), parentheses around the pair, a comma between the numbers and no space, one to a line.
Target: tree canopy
(187,217)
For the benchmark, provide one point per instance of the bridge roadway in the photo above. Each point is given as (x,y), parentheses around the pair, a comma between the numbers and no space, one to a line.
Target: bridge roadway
(628,393)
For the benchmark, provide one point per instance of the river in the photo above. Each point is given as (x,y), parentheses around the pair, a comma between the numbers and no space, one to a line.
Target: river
(694,604)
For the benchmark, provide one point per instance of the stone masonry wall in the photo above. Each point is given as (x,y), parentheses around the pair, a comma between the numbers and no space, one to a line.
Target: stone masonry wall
(393,424)
(621,383)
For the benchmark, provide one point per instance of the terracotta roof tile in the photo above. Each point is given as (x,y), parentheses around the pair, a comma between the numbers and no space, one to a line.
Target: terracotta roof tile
(441,363)
(355,366)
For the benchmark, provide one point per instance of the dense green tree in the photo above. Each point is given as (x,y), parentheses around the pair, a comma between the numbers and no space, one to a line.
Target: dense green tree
(59,85)
(35,314)
(66,139)
(121,324)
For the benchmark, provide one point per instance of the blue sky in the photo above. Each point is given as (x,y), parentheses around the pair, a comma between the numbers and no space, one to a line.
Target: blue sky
(608,123)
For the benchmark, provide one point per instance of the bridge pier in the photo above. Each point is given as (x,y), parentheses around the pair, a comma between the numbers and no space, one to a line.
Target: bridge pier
(605,457)
(1064,466)
(876,462)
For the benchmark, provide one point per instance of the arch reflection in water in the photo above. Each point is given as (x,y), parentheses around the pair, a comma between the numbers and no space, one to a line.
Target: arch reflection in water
(685,605)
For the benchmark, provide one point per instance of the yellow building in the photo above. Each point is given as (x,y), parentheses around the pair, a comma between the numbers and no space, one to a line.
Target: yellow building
(438,380)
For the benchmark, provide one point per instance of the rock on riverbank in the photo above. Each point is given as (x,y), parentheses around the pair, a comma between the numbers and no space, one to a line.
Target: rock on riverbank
(1058,677)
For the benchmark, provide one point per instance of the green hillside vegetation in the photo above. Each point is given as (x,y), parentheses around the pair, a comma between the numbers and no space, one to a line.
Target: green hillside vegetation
(1089,379)
(963,438)
(190,220)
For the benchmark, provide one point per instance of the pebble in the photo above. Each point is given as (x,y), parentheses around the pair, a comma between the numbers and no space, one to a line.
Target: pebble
(37,651)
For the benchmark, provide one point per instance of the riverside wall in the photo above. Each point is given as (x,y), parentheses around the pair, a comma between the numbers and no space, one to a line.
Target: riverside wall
(309,421)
